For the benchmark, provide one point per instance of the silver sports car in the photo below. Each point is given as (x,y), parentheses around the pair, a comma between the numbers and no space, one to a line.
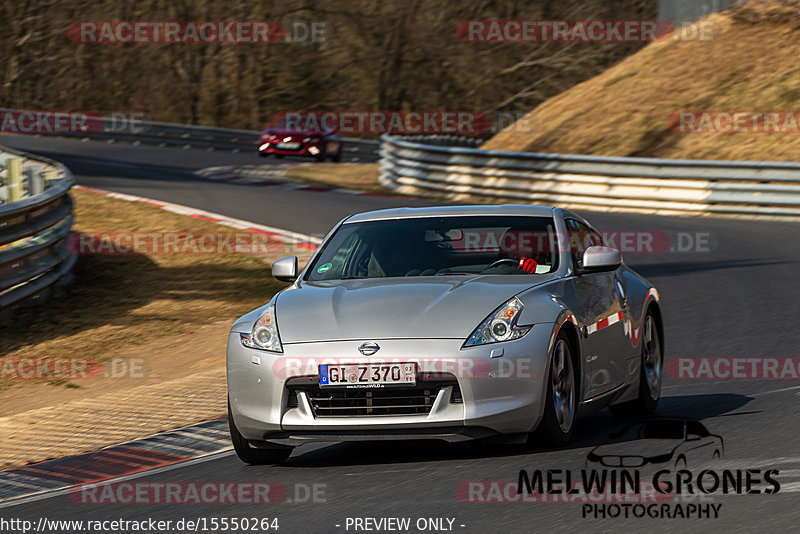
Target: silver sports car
(451,323)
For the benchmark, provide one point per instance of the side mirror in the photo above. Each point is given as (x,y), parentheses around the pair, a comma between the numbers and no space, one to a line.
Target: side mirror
(285,269)
(598,258)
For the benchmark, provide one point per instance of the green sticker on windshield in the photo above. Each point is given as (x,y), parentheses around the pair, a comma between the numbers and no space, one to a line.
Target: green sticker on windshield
(324,268)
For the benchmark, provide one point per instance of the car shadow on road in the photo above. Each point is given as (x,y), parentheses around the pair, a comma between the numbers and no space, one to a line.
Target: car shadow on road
(590,432)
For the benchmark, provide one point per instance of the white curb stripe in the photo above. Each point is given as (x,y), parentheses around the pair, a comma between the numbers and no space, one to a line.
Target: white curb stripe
(294,237)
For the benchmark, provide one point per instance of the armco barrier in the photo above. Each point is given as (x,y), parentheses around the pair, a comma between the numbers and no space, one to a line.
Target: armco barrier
(35,220)
(760,188)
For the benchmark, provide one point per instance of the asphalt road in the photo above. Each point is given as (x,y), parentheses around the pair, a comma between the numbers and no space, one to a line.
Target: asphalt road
(736,297)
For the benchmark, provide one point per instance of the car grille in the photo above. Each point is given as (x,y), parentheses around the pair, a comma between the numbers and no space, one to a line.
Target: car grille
(374,401)
(622,461)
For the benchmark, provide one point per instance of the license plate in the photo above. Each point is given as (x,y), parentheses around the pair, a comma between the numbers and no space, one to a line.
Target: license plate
(368,375)
(287,146)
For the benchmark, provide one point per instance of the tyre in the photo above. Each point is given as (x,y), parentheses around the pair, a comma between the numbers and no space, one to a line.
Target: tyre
(322,150)
(650,373)
(338,156)
(251,455)
(558,421)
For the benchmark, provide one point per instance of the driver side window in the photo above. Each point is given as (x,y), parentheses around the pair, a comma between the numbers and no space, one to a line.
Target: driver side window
(696,429)
(580,238)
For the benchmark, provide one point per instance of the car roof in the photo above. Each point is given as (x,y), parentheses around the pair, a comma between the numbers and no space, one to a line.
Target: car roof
(453,211)
(660,419)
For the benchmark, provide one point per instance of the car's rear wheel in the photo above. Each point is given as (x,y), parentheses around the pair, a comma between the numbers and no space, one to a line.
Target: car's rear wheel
(650,374)
(251,455)
(558,421)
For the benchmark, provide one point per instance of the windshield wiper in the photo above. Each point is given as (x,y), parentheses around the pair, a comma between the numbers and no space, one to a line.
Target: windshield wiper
(459,273)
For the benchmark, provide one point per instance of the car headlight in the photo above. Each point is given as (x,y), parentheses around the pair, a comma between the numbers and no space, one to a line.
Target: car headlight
(660,459)
(501,325)
(264,335)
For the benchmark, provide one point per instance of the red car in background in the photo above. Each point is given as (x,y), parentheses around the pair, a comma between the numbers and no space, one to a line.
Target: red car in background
(283,139)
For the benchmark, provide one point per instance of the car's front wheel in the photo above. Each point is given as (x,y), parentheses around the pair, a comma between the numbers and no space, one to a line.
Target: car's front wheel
(558,420)
(251,455)
(650,374)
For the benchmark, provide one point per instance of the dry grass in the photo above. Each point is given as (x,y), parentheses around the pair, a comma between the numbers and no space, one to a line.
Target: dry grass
(363,176)
(119,302)
(751,64)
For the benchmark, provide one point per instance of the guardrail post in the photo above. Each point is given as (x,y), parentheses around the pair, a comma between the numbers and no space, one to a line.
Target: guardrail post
(14,174)
(35,180)
(49,177)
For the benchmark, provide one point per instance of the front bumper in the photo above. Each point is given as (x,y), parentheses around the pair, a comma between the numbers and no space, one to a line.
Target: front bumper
(501,395)
(310,148)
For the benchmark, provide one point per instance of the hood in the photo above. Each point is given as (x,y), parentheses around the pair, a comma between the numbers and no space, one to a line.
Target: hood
(392,308)
(639,447)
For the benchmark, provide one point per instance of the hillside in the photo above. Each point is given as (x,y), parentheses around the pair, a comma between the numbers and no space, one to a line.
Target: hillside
(394,55)
(629,110)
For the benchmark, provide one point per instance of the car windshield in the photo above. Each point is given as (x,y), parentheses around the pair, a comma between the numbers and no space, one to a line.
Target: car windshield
(439,246)
(662,430)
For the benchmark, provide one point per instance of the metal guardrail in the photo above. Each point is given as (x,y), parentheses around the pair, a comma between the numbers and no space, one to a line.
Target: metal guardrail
(182,135)
(687,11)
(35,221)
(445,140)
(593,182)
